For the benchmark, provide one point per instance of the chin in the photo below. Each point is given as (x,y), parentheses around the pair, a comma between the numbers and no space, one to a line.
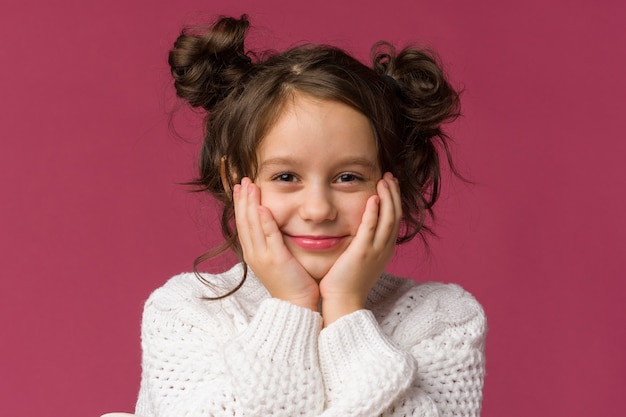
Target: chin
(317,270)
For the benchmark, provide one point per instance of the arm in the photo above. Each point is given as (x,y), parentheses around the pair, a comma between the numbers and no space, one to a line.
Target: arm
(200,359)
(363,370)
(273,364)
(422,356)
(443,327)
(426,360)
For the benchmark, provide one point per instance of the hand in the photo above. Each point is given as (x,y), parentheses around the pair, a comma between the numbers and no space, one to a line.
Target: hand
(265,252)
(345,287)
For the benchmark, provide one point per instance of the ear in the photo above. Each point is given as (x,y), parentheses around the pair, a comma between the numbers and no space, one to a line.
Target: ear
(227,176)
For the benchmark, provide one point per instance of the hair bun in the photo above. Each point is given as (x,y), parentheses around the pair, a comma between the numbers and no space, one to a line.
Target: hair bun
(208,63)
(427,97)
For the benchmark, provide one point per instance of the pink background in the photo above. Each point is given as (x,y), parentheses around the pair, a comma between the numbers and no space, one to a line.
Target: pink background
(92,218)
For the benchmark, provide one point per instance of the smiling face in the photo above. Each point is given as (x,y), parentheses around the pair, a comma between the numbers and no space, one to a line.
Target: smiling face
(317,166)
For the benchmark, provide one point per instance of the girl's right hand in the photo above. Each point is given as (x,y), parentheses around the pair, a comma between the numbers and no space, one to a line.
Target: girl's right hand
(265,252)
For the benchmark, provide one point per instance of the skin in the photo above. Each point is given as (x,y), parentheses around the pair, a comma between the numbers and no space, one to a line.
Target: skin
(320,219)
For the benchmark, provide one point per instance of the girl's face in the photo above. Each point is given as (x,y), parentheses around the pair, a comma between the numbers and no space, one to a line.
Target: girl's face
(317,167)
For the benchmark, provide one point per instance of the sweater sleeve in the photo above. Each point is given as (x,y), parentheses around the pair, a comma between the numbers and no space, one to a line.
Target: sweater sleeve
(362,369)
(202,363)
(444,331)
(424,358)
(273,364)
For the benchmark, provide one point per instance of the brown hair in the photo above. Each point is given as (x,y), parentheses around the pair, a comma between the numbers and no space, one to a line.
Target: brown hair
(405,96)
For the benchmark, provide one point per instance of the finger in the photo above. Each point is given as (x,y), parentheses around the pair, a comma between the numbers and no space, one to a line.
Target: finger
(248,225)
(388,221)
(273,236)
(255,230)
(394,187)
(240,197)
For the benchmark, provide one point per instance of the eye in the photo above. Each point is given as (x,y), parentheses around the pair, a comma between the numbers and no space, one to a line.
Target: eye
(348,177)
(284,177)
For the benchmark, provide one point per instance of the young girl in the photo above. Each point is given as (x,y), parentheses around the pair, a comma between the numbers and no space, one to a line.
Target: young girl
(322,165)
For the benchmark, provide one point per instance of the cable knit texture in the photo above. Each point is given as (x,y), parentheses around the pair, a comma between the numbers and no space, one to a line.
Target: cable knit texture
(416,350)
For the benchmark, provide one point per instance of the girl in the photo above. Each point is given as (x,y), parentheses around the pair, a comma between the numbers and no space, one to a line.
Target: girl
(322,165)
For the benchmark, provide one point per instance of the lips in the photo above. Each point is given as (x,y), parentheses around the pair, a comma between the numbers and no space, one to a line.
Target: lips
(316,242)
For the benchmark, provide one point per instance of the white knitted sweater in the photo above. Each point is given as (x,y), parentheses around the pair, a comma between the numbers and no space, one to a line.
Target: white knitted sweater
(417,350)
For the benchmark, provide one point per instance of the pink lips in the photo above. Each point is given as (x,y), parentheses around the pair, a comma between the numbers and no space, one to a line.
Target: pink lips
(316,242)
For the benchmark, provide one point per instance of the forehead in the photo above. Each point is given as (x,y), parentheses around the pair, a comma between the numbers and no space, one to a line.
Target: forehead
(309,127)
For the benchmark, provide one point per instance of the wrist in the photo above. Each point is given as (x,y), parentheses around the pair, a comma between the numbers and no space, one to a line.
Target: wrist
(335,308)
(308,302)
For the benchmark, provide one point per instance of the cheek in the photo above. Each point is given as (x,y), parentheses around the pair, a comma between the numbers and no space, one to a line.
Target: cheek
(277,205)
(353,209)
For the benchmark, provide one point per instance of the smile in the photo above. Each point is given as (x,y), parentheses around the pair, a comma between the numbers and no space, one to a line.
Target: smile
(316,242)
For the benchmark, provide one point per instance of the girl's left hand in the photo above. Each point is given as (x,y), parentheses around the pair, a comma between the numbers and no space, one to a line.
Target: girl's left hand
(345,287)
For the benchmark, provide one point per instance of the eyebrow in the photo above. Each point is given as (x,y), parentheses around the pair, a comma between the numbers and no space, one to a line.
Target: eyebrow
(357,160)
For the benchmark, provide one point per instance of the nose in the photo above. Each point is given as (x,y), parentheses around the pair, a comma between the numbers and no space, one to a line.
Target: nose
(317,205)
